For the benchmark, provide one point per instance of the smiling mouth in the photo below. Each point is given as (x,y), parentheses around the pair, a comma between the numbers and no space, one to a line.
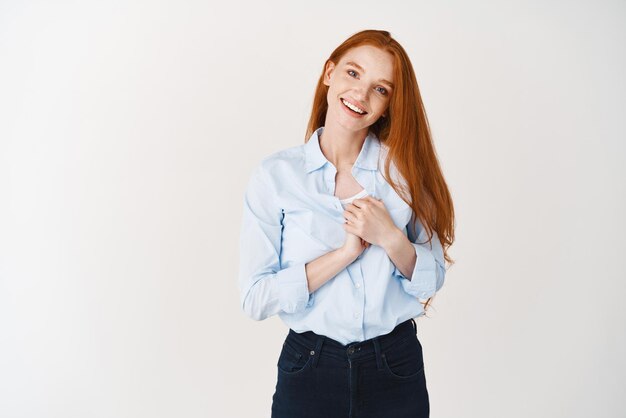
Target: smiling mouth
(355,112)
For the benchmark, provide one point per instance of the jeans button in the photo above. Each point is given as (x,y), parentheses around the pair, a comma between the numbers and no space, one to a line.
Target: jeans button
(351,350)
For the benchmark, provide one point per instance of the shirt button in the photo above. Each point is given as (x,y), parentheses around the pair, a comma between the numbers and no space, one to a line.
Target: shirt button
(356,314)
(357,285)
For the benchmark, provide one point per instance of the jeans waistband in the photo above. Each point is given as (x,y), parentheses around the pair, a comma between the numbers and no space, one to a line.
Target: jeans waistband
(357,349)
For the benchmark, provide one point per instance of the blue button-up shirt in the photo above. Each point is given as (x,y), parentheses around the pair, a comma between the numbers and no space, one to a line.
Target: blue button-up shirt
(291,217)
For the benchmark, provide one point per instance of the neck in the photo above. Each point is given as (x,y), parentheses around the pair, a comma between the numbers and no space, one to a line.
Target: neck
(340,146)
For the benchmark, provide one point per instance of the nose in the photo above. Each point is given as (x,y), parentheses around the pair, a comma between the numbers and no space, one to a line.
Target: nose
(359,93)
(360,96)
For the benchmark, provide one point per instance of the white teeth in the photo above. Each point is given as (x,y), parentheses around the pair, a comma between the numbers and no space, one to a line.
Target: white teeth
(351,106)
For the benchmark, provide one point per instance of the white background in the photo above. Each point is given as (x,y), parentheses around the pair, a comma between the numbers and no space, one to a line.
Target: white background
(128,131)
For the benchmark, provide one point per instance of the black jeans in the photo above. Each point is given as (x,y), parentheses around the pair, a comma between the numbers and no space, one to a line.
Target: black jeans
(319,377)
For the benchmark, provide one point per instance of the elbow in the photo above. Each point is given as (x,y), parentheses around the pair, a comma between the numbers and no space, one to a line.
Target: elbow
(253,312)
(441,277)
(254,296)
(252,308)
(258,298)
(255,316)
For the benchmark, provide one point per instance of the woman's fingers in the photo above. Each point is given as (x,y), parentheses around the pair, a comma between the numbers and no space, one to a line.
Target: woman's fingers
(349,216)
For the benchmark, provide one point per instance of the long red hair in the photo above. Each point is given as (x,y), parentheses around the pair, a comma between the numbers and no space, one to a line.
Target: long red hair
(406,133)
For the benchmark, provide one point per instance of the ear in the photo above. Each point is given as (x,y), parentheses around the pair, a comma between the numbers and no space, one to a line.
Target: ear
(330,67)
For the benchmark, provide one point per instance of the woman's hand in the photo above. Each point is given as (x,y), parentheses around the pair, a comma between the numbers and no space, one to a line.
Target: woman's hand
(354,245)
(368,219)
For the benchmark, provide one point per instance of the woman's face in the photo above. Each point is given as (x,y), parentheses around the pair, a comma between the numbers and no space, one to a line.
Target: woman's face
(363,77)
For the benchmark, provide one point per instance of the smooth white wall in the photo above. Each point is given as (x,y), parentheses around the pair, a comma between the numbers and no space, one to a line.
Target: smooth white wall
(128,131)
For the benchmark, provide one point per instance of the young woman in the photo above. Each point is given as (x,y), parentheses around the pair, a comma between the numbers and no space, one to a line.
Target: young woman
(343,237)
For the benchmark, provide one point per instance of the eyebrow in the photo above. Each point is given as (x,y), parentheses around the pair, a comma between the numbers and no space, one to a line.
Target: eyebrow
(354,64)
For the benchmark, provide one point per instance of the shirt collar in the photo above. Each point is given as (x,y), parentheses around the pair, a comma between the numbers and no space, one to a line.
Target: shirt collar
(367,159)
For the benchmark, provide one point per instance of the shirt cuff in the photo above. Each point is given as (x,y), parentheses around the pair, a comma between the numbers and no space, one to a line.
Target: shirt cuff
(423,280)
(293,289)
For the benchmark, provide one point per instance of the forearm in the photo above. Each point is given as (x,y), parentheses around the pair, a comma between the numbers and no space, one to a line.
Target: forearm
(325,267)
(401,252)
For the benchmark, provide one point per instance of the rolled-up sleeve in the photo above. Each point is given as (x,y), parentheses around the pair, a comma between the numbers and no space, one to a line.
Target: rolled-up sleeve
(429,272)
(265,288)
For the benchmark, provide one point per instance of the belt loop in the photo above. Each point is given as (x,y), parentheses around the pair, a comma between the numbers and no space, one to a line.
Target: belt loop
(414,325)
(379,363)
(318,349)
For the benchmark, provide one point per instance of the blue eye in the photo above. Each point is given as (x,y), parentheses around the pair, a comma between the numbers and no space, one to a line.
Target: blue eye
(384,91)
